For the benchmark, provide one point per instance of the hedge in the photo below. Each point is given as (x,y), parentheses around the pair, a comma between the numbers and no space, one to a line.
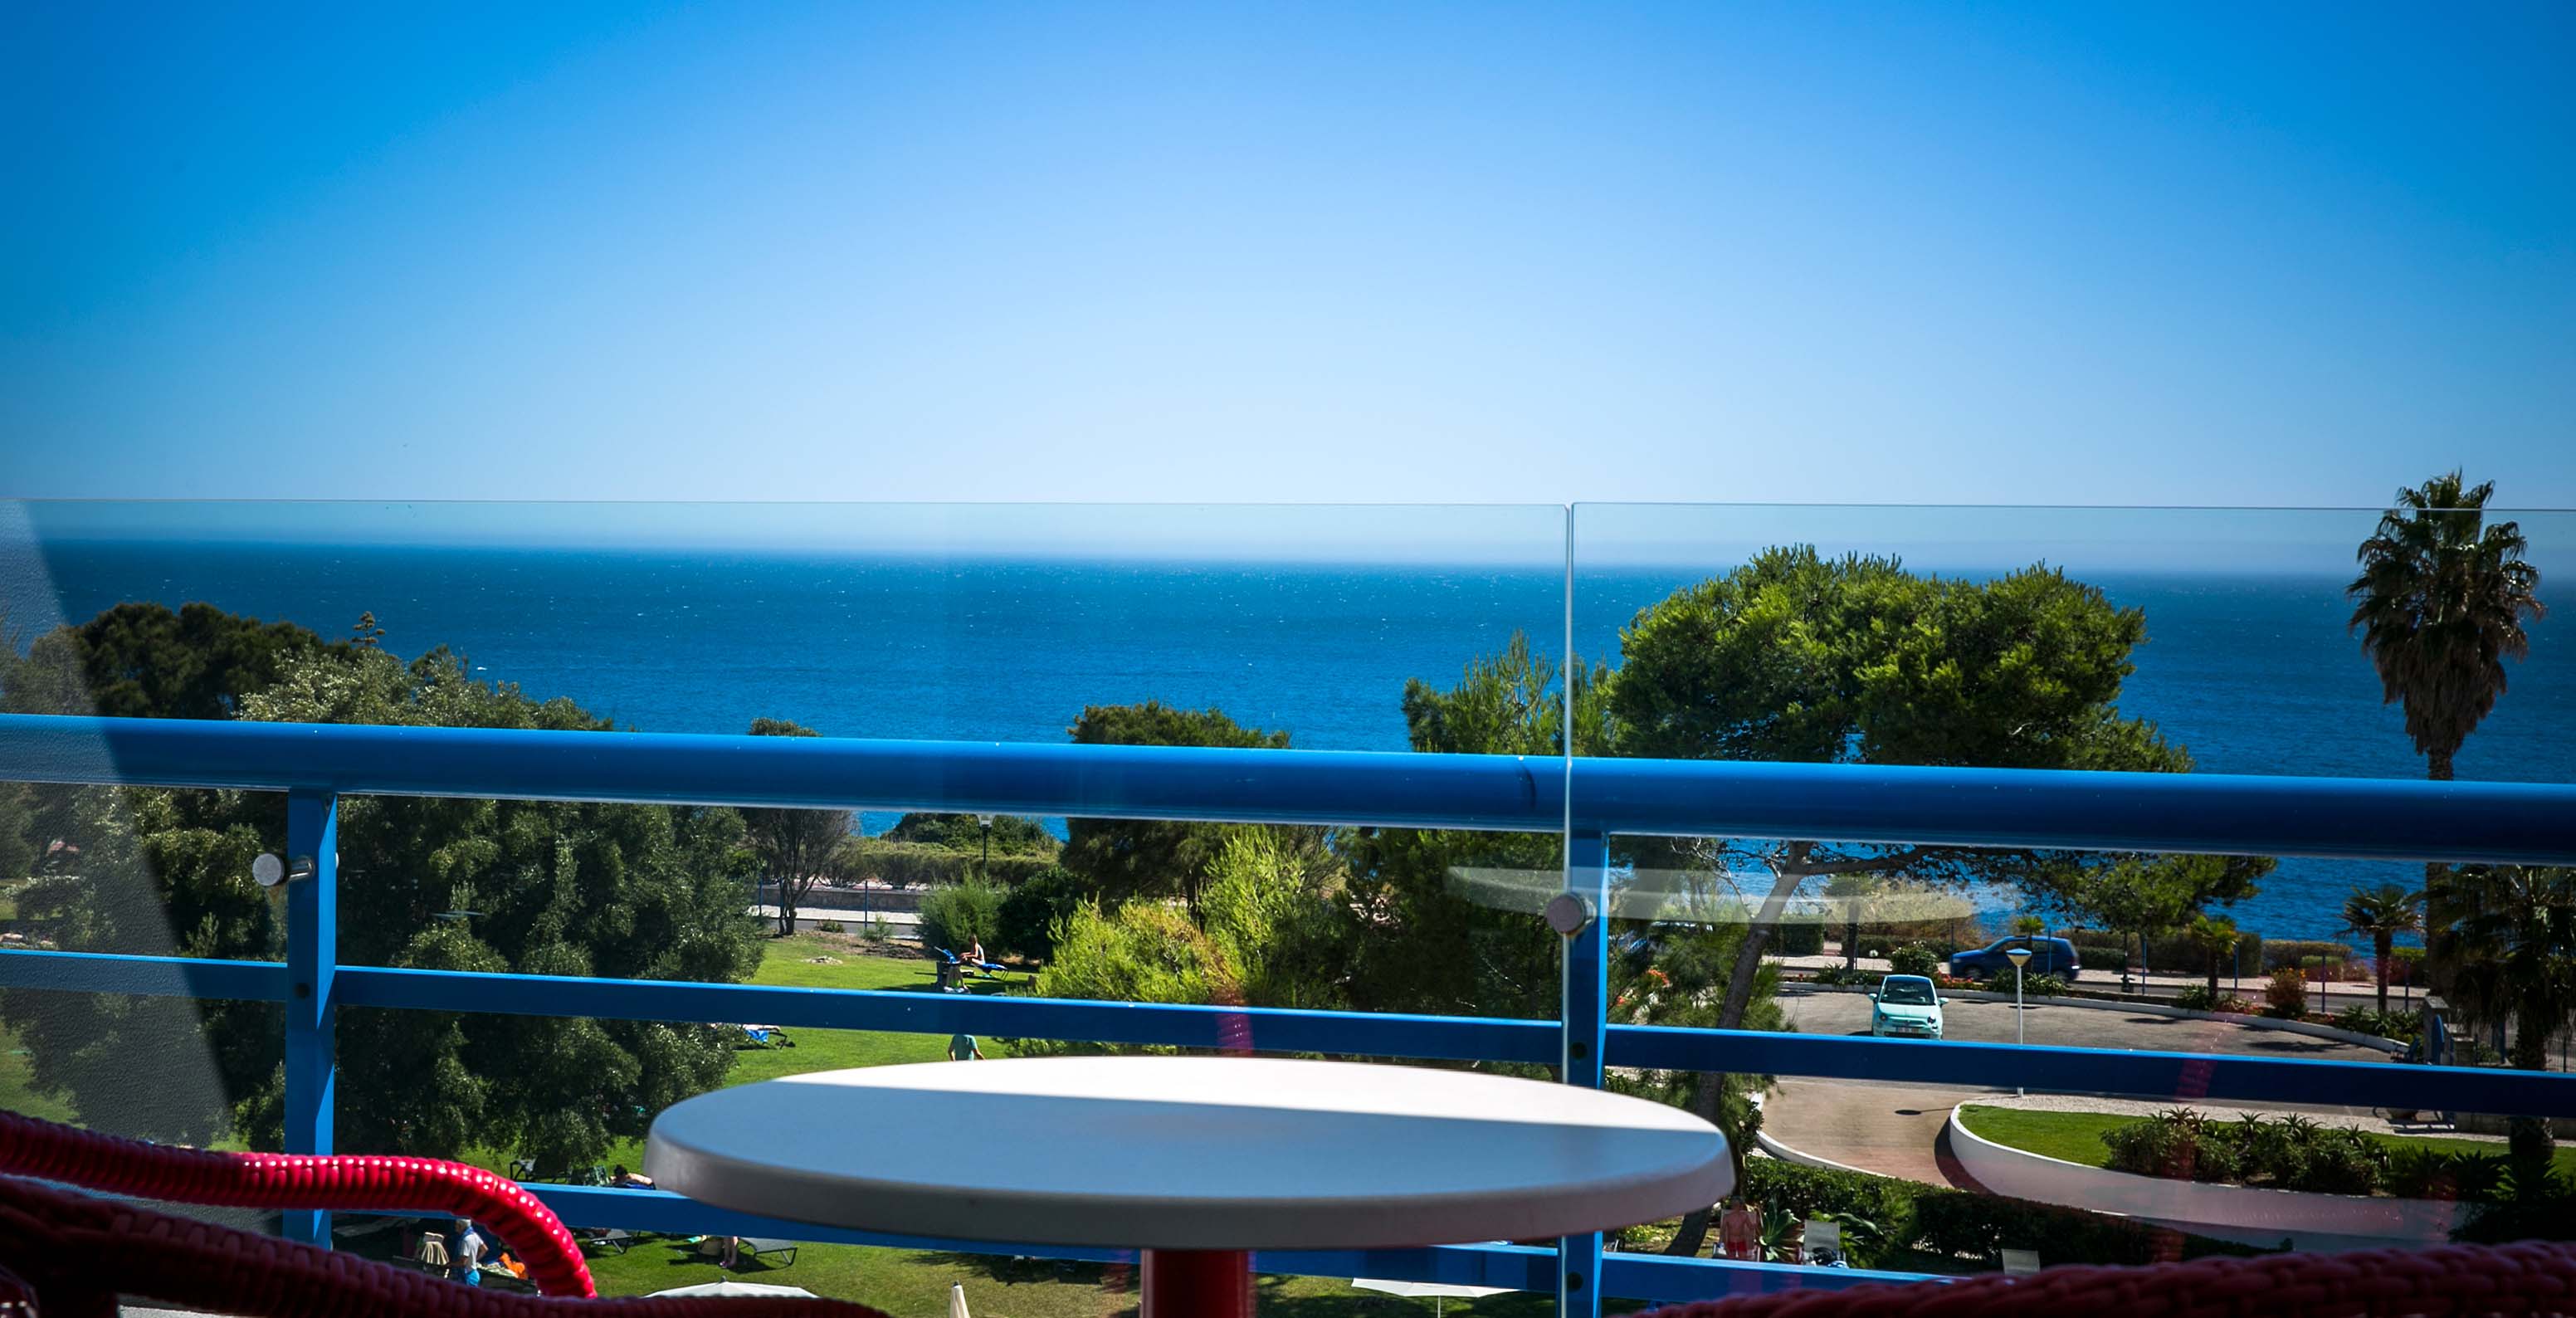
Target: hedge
(1964,1222)
(2168,953)
(915,865)
(2296,951)
(2102,958)
(1798,938)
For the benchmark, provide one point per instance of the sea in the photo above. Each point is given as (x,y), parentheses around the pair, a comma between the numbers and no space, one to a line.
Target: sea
(2254,673)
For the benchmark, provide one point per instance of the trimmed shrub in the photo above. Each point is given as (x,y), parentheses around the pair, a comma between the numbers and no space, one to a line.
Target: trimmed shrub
(2405,966)
(2286,993)
(1798,938)
(1031,914)
(1914,959)
(914,865)
(2102,958)
(2290,952)
(961,915)
(2038,986)
(830,927)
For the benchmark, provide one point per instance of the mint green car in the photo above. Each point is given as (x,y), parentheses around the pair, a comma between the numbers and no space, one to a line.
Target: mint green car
(1905,1007)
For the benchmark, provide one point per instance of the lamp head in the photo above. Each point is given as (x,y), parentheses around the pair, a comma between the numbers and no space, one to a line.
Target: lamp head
(2018,955)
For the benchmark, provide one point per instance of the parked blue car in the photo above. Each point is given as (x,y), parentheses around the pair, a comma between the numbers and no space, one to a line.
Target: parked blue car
(2048,956)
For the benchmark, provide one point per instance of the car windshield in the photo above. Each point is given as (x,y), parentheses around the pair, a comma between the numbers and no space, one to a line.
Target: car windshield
(1906,992)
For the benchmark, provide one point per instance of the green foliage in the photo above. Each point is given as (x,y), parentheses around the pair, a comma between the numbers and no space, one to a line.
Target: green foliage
(2399,1025)
(2102,958)
(1914,959)
(1012,835)
(2042,986)
(2295,953)
(962,915)
(2198,997)
(1800,938)
(2440,605)
(645,892)
(2527,1205)
(1035,908)
(1270,935)
(1123,858)
(18,845)
(1142,952)
(1961,1223)
(830,927)
(144,661)
(2504,937)
(2285,994)
(797,849)
(2438,1174)
(916,865)
(1451,916)
(2292,1153)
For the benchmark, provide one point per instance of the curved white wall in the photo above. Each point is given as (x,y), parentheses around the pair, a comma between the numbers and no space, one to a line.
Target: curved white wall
(2231,1212)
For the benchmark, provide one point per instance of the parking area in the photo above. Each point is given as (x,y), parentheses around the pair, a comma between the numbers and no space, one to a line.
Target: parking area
(1895,1129)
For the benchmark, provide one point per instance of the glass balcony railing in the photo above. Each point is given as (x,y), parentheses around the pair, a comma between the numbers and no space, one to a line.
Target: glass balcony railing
(1297,780)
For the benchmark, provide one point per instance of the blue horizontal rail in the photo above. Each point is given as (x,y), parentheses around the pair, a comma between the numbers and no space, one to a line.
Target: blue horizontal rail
(2510,823)
(1512,1267)
(2137,1074)
(146,976)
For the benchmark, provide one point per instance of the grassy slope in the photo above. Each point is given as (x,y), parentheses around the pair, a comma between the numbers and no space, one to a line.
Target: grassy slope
(2077,1136)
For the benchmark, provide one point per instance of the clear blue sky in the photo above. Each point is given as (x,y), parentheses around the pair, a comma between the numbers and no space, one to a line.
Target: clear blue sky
(2269,254)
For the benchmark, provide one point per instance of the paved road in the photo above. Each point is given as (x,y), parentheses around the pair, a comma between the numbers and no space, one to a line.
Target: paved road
(1895,1129)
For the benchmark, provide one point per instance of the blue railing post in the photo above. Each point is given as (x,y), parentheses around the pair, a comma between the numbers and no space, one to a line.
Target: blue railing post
(1583,1017)
(312,960)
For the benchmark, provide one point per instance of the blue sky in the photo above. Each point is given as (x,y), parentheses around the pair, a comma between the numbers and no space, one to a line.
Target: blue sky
(2277,254)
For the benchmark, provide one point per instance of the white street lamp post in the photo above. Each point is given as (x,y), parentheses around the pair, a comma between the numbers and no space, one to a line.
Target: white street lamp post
(2019,956)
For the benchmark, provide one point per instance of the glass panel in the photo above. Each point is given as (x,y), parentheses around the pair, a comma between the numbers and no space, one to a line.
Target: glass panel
(2208,641)
(1346,629)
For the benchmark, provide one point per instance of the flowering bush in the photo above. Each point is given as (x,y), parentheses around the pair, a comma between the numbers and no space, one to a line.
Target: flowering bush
(2286,993)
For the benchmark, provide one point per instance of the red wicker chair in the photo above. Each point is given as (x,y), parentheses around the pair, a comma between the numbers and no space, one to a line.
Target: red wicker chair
(74,1254)
(2528,1278)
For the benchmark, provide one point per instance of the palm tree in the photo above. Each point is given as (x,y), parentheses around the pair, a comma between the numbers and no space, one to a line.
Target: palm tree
(2439,604)
(2507,934)
(2215,936)
(2382,913)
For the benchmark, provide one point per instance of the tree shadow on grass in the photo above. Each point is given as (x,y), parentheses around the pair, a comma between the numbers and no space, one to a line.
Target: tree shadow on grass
(1011,1270)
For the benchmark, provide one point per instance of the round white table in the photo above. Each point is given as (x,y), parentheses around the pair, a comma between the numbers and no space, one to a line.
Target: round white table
(1193,1160)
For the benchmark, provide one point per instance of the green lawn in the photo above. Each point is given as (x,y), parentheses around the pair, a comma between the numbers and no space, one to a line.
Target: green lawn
(910,1285)
(2077,1136)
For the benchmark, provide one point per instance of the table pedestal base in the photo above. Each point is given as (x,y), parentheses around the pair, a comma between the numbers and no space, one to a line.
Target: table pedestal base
(1196,1283)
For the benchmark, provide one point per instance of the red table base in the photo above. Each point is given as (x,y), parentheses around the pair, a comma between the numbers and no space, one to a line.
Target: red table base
(1197,1283)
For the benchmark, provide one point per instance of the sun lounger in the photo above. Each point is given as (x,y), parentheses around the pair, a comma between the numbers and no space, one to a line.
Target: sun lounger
(759,1245)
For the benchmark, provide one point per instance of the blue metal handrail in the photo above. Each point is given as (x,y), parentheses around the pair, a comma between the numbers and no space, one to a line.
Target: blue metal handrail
(2343,818)
(314,765)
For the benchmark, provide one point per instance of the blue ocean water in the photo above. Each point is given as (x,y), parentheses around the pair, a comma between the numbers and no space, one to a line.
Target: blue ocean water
(2254,674)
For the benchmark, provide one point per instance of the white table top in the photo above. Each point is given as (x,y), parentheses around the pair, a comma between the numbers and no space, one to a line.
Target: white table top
(1189,1153)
